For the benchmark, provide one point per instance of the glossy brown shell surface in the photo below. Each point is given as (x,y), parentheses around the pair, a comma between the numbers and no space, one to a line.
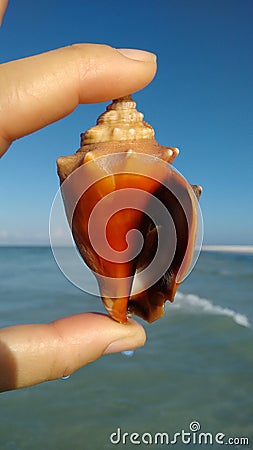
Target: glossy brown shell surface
(119,169)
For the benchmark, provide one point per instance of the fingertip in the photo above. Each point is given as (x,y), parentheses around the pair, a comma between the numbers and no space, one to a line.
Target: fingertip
(132,336)
(113,73)
(93,335)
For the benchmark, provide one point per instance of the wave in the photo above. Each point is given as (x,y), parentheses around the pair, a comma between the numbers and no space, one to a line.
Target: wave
(194,304)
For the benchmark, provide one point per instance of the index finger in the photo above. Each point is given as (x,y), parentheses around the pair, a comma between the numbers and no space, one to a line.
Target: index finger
(44,88)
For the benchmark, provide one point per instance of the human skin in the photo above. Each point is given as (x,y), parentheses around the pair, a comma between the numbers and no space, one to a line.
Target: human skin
(3,6)
(41,89)
(37,91)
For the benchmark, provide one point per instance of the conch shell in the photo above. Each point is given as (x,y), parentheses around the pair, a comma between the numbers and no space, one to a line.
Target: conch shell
(119,189)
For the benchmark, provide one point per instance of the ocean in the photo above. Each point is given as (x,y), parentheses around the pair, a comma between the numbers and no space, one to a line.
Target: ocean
(193,376)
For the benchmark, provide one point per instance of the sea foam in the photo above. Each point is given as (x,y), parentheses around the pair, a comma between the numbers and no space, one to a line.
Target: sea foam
(194,304)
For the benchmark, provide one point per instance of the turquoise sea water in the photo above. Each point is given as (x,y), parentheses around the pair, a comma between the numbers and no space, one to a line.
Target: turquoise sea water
(197,365)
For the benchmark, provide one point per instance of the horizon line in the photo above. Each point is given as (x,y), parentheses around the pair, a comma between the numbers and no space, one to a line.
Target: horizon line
(227,248)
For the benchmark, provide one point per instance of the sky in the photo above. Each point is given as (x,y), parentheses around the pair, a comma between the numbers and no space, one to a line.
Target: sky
(200,101)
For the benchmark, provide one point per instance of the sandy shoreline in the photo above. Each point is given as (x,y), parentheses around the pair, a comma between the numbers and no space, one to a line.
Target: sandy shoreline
(243,249)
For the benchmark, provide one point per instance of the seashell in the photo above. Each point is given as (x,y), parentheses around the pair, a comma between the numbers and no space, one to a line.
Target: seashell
(120,183)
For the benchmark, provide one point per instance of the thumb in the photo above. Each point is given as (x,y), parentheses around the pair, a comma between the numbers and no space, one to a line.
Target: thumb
(32,354)
(44,88)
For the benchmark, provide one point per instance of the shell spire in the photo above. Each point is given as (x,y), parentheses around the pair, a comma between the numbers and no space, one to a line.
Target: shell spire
(120,122)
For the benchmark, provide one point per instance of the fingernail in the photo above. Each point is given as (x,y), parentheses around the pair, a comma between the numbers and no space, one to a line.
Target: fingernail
(125,345)
(119,346)
(130,336)
(137,55)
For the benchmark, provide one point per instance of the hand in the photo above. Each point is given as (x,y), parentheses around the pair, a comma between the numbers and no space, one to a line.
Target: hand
(34,92)
(3,6)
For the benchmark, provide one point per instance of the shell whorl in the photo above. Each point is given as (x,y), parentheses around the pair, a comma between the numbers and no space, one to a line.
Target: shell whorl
(121,121)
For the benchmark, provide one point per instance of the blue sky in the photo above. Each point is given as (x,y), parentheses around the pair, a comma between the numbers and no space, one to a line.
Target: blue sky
(200,101)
